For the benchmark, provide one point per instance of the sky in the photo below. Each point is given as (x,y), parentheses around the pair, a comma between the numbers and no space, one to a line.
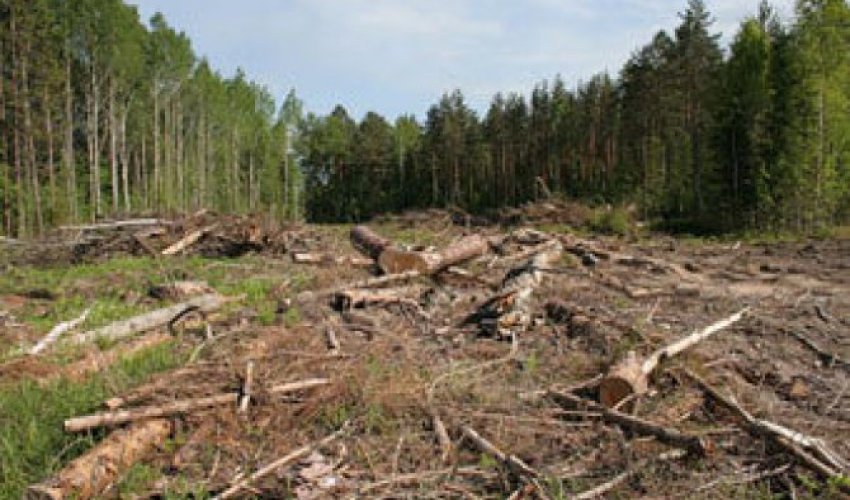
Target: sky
(399,56)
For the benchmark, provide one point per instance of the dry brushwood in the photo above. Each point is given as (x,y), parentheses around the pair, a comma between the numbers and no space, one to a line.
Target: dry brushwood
(509,311)
(113,418)
(281,462)
(811,451)
(630,376)
(511,462)
(87,476)
(694,444)
(153,319)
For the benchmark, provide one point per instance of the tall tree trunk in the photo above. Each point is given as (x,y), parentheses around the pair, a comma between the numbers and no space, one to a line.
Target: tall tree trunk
(234,171)
(68,150)
(202,164)
(178,142)
(4,147)
(16,136)
(251,183)
(51,166)
(113,145)
(32,166)
(94,155)
(154,191)
(125,159)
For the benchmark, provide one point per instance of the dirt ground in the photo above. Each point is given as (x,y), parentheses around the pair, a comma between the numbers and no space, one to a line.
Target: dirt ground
(399,371)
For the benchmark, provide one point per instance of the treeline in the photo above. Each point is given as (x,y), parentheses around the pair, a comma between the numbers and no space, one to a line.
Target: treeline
(757,136)
(102,115)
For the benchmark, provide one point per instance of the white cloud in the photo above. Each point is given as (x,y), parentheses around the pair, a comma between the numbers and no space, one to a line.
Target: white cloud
(395,56)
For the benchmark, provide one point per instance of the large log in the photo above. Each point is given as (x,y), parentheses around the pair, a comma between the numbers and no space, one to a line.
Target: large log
(113,418)
(631,375)
(153,319)
(393,260)
(368,242)
(90,474)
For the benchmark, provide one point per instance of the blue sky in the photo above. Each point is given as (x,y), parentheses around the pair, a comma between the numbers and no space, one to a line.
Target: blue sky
(399,56)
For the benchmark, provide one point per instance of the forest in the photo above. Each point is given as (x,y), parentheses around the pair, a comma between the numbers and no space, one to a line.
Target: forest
(104,115)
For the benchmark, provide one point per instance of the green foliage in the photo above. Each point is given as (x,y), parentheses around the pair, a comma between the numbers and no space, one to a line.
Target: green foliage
(33,443)
(614,221)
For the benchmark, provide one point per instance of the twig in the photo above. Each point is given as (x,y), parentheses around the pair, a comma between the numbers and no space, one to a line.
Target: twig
(247,387)
(288,459)
(828,358)
(512,462)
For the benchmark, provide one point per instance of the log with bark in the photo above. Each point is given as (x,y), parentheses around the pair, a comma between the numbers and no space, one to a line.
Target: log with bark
(509,311)
(89,475)
(113,418)
(395,260)
(153,319)
(630,376)
(368,242)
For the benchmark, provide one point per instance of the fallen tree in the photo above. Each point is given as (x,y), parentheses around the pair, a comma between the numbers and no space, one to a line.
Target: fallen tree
(510,309)
(89,475)
(630,376)
(153,319)
(395,260)
(113,418)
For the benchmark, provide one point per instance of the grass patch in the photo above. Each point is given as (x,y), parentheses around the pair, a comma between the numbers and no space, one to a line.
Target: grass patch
(34,445)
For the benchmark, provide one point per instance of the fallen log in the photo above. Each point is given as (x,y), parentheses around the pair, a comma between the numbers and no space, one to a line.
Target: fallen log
(368,242)
(322,259)
(58,331)
(87,476)
(113,418)
(630,376)
(281,462)
(693,444)
(187,241)
(348,299)
(509,311)
(117,225)
(153,319)
(813,452)
(393,261)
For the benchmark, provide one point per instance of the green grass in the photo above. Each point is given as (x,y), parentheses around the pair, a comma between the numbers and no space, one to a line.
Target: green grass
(34,445)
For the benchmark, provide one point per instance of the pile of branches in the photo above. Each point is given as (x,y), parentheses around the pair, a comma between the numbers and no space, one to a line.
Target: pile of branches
(424,381)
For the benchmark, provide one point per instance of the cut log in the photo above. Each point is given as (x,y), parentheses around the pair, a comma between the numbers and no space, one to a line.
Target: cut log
(87,476)
(113,418)
(693,444)
(368,242)
(394,261)
(187,241)
(630,376)
(510,310)
(58,331)
(153,319)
